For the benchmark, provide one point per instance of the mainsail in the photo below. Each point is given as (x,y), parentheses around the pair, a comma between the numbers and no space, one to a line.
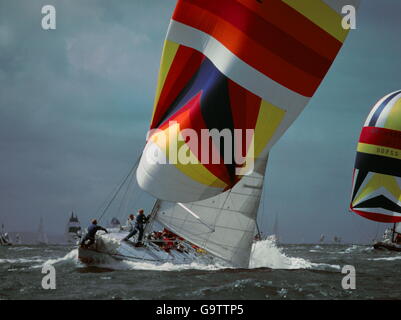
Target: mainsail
(233,65)
(376,193)
(397,228)
(224,225)
(42,237)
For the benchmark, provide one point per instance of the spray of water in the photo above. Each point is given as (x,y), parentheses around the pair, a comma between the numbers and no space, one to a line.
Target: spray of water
(266,254)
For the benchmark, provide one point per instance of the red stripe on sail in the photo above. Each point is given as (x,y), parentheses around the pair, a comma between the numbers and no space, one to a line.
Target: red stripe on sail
(377,216)
(190,117)
(245,108)
(297,25)
(270,63)
(186,63)
(266,33)
(381,137)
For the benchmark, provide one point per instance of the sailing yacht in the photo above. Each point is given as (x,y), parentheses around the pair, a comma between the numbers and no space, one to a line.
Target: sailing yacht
(225,67)
(73,229)
(18,239)
(41,235)
(115,223)
(376,192)
(391,239)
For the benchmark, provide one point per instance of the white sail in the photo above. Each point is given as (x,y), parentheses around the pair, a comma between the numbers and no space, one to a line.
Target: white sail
(397,227)
(18,239)
(42,237)
(223,225)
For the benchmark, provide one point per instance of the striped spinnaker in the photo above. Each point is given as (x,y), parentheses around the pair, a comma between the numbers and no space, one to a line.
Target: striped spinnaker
(234,64)
(376,192)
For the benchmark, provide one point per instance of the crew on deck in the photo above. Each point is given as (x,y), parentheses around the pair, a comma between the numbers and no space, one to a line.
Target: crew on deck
(90,235)
(140,221)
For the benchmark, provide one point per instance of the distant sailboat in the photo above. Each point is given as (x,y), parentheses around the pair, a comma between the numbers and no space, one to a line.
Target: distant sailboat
(4,237)
(391,239)
(42,237)
(73,229)
(115,223)
(376,192)
(18,239)
(321,240)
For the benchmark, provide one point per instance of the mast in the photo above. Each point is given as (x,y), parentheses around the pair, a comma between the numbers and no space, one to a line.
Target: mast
(393,235)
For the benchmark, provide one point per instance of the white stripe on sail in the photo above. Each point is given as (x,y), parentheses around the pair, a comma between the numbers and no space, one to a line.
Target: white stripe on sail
(236,69)
(381,121)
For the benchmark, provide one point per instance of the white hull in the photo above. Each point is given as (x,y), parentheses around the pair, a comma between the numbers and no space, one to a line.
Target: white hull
(109,246)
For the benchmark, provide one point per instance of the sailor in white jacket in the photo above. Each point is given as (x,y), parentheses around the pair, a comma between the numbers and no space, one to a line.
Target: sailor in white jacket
(130,224)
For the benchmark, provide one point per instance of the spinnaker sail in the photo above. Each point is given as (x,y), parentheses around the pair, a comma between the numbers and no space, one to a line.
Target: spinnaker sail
(376,193)
(233,65)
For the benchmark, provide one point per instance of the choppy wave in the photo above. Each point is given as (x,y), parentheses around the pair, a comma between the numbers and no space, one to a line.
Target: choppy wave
(71,256)
(21,260)
(386,258)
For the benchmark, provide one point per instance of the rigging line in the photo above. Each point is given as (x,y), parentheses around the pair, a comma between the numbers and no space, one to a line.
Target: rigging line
(119,188)
(196,216)
(377,231)
(124,198)
(218,216)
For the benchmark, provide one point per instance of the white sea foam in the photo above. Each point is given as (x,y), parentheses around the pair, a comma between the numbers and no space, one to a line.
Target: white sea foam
(386,259)
(266,254)
(71,256)
(21,260)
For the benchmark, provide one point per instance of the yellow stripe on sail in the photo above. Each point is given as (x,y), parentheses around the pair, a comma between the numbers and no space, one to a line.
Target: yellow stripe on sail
(322,15)
(269,119)
(394,118)
(377,181)
(168,139)
(379,150)
(169,51)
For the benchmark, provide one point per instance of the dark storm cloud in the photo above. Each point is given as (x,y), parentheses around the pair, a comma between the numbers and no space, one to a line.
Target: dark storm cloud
(75,103)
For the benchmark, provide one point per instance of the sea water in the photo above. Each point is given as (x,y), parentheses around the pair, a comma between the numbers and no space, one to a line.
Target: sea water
(276,272)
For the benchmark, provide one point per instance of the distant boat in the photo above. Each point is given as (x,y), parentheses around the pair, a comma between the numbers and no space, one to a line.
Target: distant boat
(391,239)
(42,237)
(115,223)
(4,237)
(321,240)
(376,191)
(18,239)
(336,239)
(73,230)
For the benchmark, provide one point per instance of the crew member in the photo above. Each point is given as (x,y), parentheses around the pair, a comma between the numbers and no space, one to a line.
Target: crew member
(140,221)
(90,235)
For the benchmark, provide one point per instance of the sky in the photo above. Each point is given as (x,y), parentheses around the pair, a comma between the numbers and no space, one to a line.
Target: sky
(75,105)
